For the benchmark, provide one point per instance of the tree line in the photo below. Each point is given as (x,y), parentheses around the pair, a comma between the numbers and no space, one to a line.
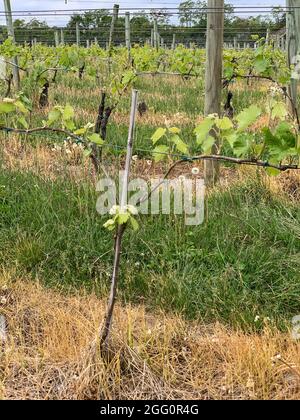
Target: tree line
(188,23)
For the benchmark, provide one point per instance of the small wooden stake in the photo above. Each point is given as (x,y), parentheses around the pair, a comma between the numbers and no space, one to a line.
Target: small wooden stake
(121,228)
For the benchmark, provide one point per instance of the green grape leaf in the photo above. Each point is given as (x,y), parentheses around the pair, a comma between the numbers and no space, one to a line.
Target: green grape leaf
(203,129)
(7,107)
(242,146)
(134,223)
(273,171)
(180,145)
(224,123)
(128,76)
(207,144)
(261,65)
(87,152)
(23,122)
(110,224)
(123,218)
(80,131)
(247,117)
(279,110)
(231,138)
(159,133)
(69,124)
(160,149)
(174,130)
(21,107)
(68,112)
(96,138)
(54,116)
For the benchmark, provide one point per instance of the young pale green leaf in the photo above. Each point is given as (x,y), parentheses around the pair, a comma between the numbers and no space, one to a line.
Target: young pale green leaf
(110,224)
(279,110)
(134,223)
(224,124)
(21,107)
(96,138)
(160,149)
(261,65)
(123,218)
(273,171)
(127,78)
(23,122)
(207,144)
(242,146)
(174,130)
(203,129)
(231,138)
(68,112)
(80,131)
(247,117)
(69,124)
(87,152)
(159,133)
(180,145)
(7,107)
(54,116)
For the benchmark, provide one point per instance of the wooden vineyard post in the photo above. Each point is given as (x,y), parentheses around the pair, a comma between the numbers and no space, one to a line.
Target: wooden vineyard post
(127,32)
(77,34)
(268,36)
(11,34)
(155,34)
(152,38)
(62,37)
(174,42)
(213,75)
(112,25)
(293,48)
(121,228)
(56,38)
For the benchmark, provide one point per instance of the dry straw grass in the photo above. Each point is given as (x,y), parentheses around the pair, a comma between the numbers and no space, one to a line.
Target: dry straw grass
(46,354)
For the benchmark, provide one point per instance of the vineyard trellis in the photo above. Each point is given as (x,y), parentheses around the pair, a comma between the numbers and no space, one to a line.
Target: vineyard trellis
(275,147)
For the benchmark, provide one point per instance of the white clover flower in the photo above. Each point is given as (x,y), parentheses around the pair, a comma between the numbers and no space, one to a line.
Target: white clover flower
(195,171)
(3,300)
(276,357)
(149,162)
(181,178)
(135,158)
(257,318)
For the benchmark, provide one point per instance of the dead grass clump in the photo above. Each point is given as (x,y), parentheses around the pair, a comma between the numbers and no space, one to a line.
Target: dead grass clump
(48,355)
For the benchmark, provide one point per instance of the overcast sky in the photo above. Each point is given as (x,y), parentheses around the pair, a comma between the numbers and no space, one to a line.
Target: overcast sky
(34,5)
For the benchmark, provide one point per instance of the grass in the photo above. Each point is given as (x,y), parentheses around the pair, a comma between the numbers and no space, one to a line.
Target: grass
(200,308)
(243,262)
(49,354)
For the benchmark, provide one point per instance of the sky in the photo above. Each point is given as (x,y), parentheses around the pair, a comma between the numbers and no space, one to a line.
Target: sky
(34,5)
